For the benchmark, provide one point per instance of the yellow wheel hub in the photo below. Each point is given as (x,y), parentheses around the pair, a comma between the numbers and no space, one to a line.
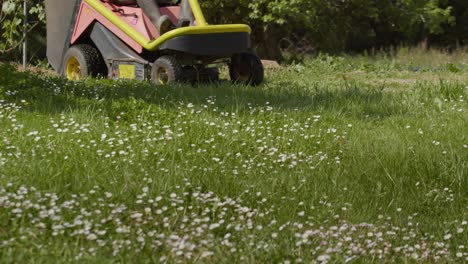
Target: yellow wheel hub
(162,76)
(73,69)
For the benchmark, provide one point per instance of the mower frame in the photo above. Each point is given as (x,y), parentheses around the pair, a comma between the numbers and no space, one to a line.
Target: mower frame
(125,36)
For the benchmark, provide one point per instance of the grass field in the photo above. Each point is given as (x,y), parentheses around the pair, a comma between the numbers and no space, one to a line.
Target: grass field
(338,159)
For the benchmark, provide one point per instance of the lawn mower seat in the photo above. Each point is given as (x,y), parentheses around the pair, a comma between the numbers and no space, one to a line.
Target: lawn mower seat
(186,15)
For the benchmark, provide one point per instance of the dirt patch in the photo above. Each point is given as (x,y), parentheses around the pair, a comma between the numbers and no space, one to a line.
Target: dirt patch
(33,69)
(270,64)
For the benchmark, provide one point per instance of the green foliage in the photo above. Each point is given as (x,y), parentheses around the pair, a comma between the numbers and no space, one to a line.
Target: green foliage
(458,33)
(338,25)
(12,22)
(297,27)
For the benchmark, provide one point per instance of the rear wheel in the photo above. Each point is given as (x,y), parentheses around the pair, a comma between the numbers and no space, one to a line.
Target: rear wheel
(246,68)
(82,61)
(166,70)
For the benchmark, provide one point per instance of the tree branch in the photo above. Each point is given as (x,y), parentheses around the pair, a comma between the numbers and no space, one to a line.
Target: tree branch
(20,41)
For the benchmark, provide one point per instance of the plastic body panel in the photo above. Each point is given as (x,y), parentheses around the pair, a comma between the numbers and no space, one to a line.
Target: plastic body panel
(61,15)
(110,46)
(128,16)
(119,26)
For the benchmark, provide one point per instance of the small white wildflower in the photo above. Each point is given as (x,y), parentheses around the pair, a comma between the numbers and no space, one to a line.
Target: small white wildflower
(214,226)
(323,258)
(136,215)
(206,254)
(91,237)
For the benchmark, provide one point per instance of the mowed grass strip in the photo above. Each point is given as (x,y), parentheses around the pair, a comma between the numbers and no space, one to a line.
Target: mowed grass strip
(335,159)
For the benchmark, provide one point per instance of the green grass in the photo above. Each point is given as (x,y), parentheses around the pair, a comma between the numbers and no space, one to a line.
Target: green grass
(360,159)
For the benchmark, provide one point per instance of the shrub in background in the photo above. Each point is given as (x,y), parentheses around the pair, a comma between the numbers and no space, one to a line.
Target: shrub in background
(13,26)
(337,25)
(301,27)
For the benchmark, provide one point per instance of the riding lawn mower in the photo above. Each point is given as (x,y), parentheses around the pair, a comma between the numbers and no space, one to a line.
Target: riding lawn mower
(116,39)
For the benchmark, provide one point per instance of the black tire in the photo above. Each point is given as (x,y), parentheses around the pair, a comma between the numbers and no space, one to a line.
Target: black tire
(166,70)
(246,68)
(89,60)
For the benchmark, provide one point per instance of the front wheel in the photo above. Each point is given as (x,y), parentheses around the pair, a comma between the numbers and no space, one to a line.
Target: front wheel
(82,61)
(166,70)
(246,68)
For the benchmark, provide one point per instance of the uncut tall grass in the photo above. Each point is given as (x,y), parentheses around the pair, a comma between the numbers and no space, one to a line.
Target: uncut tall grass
(336,159)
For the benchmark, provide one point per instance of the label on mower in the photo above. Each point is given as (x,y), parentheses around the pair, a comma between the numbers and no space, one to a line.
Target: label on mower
(127,71)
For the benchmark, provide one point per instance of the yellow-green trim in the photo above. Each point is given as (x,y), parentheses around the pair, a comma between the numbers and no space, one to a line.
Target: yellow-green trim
(197,12)
(152,45)
(198,30)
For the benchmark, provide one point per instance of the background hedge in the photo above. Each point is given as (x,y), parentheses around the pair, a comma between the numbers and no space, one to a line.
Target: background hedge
(296,27)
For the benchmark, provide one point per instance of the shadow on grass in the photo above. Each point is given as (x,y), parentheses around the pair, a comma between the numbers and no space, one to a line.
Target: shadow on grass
(51,95)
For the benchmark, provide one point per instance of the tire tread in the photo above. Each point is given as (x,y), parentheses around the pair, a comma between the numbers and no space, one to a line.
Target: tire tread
(93,61)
